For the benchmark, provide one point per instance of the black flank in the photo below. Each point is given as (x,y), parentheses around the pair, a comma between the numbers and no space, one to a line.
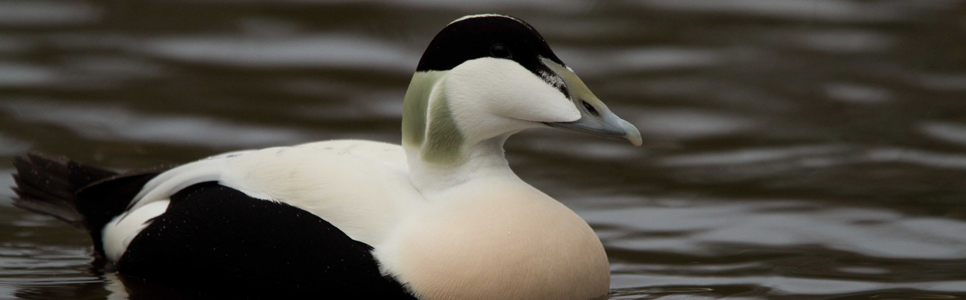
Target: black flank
(213,242)
(221,243)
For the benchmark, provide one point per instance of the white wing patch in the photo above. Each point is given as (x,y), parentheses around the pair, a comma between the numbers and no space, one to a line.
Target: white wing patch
(119,233)
(212,168)
(361,187)
(174,180)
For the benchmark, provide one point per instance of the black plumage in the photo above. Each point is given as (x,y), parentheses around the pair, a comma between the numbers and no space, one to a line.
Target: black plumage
(212,241)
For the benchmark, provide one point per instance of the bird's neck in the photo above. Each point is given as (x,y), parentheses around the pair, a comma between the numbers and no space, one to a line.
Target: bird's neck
(440,154)
(483,160)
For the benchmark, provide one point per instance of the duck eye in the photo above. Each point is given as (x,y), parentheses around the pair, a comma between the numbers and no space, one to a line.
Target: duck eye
(500,51)
(590,109)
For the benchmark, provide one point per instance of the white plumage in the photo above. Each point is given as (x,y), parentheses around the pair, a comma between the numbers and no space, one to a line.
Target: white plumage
(444,212)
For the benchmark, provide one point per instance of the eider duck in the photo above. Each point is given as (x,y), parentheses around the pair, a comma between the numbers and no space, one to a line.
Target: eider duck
(440,216)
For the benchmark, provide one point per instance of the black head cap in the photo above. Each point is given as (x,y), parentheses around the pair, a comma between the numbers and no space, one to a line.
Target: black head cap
(479,36)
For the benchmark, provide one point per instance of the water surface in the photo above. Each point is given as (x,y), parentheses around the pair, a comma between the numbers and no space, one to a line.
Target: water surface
(796,149)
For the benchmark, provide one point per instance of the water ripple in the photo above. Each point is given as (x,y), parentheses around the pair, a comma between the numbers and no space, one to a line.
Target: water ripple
(37,13)
(119,123)
(333,51)
(869,231)
(825,10)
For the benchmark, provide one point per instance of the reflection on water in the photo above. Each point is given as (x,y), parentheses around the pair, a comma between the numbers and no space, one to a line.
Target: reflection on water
(781,223)
(948,132)
(18,74)
(815,10)
(309,51)
(46,13)
(115,123)
(796,149)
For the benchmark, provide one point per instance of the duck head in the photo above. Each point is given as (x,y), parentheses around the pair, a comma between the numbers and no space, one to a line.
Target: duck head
(485,77)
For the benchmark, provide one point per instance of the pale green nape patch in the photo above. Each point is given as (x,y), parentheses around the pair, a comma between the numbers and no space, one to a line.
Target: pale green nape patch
(442,141)
(444,144)
(415,106)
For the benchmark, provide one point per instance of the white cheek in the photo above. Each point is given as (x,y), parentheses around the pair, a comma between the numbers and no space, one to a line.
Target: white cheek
(503,88)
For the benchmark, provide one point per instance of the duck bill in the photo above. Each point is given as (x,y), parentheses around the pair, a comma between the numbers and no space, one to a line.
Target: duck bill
(595,117)
(615,130)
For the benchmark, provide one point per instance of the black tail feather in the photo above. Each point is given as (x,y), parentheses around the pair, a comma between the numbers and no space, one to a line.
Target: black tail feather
(83,196)
(48,185)
(103,200)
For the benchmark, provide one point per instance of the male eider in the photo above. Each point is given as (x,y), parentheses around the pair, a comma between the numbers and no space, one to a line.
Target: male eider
(441,216)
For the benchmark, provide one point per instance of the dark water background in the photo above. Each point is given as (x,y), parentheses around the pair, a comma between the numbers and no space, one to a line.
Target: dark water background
(798,149)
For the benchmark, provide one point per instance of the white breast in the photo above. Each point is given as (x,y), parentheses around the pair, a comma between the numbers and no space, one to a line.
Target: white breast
(499,239)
